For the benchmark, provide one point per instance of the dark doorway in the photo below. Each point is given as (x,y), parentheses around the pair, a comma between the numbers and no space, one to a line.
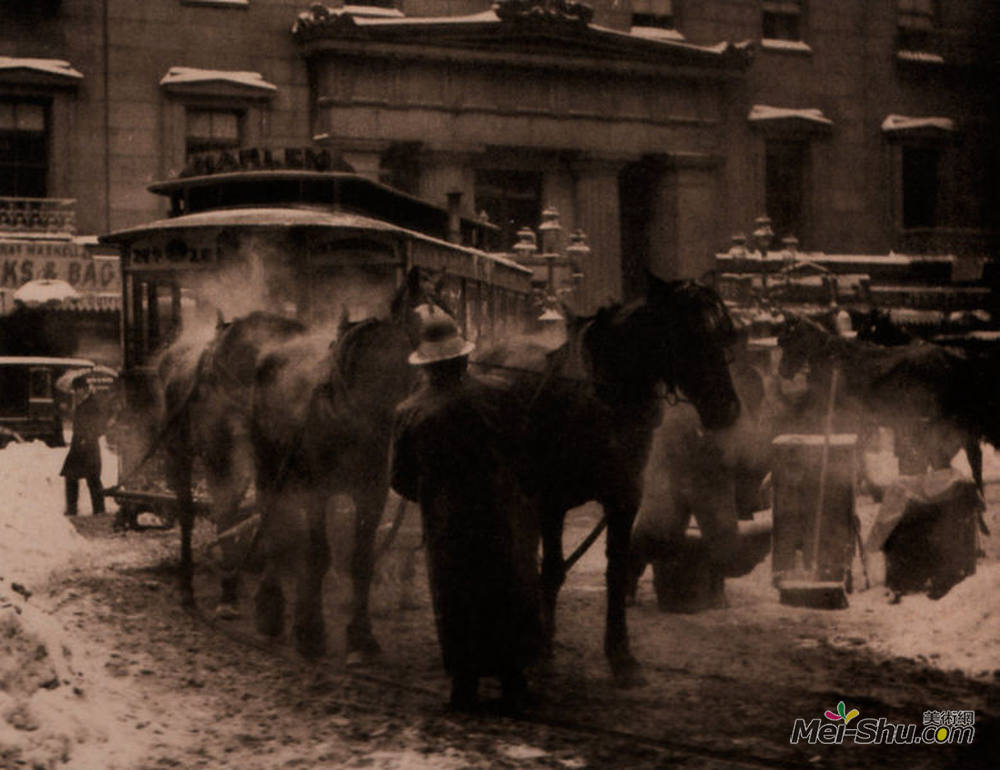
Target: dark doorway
(636,185)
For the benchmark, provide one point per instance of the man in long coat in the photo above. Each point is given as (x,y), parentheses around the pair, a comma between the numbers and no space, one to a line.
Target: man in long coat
(83,461)
(455,454)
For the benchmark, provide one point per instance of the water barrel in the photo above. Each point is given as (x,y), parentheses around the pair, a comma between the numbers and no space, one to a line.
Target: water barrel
(797,460)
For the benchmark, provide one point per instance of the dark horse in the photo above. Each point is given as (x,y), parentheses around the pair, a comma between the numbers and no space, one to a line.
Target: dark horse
(206,389)
(590,409)
(905,386)
(321,426)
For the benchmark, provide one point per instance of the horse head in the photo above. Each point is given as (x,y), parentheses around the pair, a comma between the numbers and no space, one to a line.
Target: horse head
(877,326)
(695,332)
(802,341)
(677,337)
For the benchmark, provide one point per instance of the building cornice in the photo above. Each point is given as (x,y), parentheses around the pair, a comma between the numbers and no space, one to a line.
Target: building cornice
(526,33)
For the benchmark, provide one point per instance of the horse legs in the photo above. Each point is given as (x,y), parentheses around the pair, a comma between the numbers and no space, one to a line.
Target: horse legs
(309,627)
(974,454)
(553,572)
(179,462)
(269,599)
(361,642)
(624,667)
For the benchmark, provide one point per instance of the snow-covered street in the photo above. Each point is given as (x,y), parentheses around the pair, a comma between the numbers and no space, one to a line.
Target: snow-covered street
(101,669)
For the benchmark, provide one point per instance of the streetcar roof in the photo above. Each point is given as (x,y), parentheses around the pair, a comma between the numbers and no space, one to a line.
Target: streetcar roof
(354,187)
(271,217)
(45,361)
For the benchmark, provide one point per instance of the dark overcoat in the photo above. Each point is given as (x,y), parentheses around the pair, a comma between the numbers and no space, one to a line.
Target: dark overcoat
(455,452)
(84,457)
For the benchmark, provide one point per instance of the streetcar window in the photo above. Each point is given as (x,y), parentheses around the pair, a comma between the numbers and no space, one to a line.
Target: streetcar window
(41,384)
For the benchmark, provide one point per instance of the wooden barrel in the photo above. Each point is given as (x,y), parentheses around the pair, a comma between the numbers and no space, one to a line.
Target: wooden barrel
(797,459)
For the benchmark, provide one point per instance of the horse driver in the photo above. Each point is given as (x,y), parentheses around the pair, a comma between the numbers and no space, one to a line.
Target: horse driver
(454,453)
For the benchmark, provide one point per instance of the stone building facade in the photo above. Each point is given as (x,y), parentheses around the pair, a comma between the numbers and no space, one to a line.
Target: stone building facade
(659,127)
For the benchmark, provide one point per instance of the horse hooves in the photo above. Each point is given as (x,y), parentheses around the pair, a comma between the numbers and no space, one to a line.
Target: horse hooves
(627,672)
(311,641)
(227,611)
(364,656)
(269,610)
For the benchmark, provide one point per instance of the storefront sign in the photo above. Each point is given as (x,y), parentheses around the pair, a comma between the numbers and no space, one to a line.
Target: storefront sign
(23,261)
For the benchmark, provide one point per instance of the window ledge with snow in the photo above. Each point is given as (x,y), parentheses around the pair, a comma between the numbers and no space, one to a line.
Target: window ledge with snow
(785,46)
(218,3)
(920,57)
(656,33)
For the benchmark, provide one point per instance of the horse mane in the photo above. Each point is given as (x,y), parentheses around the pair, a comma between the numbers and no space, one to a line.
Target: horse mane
(346,349)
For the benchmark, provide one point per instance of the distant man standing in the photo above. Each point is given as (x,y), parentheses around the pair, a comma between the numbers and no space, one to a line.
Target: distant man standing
(83,461)
(454,452)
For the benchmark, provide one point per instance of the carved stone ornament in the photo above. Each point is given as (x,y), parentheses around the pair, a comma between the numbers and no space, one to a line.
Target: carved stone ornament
(547,10)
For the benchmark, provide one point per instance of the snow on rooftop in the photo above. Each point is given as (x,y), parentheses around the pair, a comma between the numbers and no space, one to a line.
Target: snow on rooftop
(656,33)
(906,123)
(178,75)
(761,112)
(56,67)
(370,11)
(920,56)
(775,44)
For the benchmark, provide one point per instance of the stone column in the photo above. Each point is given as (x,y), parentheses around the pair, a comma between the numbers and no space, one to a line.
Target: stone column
(448,171)
(597,214)
(687,228)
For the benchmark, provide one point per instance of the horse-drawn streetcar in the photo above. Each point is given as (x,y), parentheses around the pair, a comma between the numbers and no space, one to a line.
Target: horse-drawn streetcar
(307,239)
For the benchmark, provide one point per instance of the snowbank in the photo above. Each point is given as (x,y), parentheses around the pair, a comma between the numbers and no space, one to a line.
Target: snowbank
(960,631)
(55,707)
(35,538)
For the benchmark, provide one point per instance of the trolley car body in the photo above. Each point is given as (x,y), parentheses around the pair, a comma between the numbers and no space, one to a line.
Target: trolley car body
(305,243)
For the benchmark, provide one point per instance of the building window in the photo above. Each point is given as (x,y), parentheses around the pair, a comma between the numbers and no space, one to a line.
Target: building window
(511,199)
(920,186)
(918,24)
(785,187)
(917,14)
(399,167)
(212,131)
(653,13)
(24,149)
(781,19)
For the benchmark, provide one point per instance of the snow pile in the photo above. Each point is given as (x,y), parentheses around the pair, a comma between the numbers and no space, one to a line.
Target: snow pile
(54,704)
(35,538)
(961,630)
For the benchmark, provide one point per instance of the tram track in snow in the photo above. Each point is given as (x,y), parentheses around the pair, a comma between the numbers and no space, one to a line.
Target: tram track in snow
(675,751)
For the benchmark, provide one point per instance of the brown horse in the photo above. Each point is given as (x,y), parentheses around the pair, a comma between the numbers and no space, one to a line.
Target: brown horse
(589,412)
(206,390)
(321,426)
(911,388)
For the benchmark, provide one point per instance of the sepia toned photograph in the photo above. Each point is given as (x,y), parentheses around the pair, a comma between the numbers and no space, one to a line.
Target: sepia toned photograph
(474,384)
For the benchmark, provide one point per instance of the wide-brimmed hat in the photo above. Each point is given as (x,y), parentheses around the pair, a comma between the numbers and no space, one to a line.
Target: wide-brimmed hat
(440,341)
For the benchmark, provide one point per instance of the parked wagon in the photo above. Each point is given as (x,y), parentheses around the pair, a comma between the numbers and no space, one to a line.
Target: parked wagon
(299,239)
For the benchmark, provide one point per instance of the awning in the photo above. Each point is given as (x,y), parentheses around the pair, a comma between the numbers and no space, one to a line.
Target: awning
(48,68)
(188,79)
